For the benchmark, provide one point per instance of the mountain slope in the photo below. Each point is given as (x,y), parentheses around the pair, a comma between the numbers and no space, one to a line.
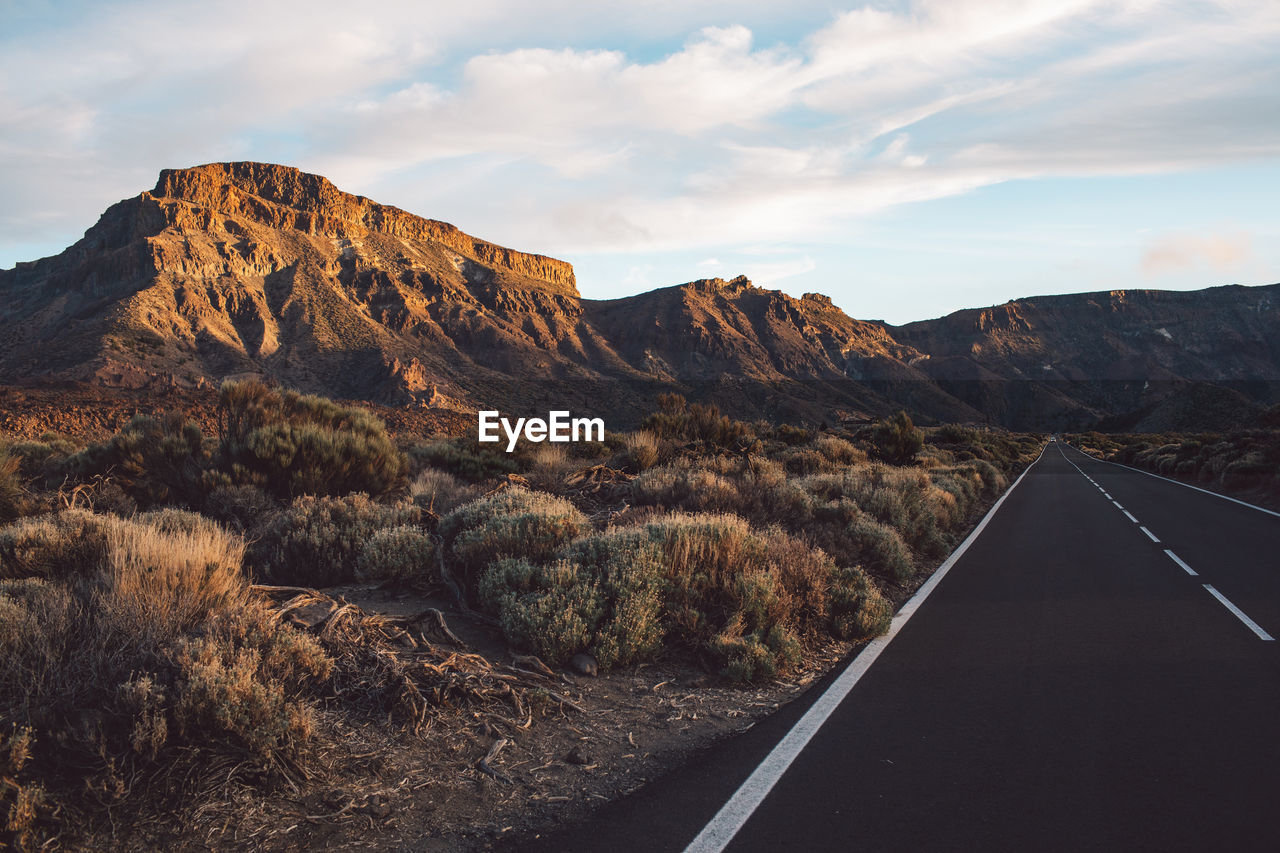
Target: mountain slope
(231,269)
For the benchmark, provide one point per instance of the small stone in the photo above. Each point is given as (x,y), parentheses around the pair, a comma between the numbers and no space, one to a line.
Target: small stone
(577,756)
(584,664)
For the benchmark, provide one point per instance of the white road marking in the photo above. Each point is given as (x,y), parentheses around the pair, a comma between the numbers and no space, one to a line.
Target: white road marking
(1107,496)
(1253,626)
(1117,503)
(1180,483)
(1178,560)
(1149,533)
(1130,515)
(734,814)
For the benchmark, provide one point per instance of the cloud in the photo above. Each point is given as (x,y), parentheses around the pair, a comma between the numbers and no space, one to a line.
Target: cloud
(645,129)
(1218,253)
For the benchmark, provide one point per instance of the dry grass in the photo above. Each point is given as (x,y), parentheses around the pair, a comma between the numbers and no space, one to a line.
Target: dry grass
(440,492)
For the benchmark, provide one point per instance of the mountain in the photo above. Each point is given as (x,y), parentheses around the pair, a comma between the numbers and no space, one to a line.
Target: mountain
(235,269)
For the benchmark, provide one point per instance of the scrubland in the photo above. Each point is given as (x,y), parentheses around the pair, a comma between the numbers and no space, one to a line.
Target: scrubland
(155,587)
(1244,462)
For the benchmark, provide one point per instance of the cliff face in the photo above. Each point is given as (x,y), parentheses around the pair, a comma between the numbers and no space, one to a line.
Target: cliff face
(1104,354)
(252,269)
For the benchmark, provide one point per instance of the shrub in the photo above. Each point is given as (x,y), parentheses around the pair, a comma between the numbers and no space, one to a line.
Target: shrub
(880,548)
(642,450)
(243,679)
(13,496)
(152,628)
(514,522)
(465,459)
(295,444)
(398,554)
(70,543)
(896,440)
(317,541)
(155,460)
(550,609)
(439,491)
(677,419)
(242,508)
(858,611)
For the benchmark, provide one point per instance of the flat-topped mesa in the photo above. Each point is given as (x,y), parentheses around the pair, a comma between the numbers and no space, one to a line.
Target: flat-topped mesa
(284,197)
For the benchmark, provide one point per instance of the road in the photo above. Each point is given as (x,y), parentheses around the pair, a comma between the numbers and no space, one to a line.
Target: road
(1070,684)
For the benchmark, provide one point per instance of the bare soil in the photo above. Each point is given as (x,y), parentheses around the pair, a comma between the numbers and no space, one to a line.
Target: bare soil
(389,789)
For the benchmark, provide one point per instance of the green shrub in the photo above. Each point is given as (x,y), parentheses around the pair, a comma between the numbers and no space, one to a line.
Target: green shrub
(155,460)
(317,541)
(858,610)
(294,444)
(514,522)
(896,440)
(879,547)
(465,459)
(401,553)
(677,419)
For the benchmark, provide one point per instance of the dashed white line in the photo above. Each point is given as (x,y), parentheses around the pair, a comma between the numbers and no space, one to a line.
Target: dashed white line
(1130,516)
(1107,496)
(1151,535)
(1253,626)
(1178,560)
(1175,482)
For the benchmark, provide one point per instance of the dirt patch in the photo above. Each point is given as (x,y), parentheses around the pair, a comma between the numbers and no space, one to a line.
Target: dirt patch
(473,776)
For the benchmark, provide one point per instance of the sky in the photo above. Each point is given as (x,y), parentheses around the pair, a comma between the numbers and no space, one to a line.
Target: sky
(907,159)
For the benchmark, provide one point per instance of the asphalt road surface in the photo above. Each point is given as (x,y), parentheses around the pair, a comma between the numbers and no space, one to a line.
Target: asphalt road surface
(1095,672)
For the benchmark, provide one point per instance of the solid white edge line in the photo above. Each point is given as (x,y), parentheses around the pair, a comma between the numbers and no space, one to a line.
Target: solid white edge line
(734,814)
(1253,626)
(1131,518)
(1151,535)
(1178,560)
(1180,483)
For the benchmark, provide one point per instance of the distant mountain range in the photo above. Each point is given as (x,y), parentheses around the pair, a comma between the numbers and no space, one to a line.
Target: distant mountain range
(235,269)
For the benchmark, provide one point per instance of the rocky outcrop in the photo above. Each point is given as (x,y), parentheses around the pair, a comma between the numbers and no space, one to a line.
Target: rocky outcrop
(236,269)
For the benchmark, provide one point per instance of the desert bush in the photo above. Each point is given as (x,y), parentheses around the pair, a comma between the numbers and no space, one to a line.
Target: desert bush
(677,419)
(550,608)
(707,583)
(514,522)
(155,460)
(165,572)
(465,459)
(244,508)
(879,548)
(243,678)
(64,545)
(858,611)
(400,553)
(838,451)
(317,541)
(896,440)
(294,444)
(642,450)
(439,491)
(547,464)
(153,631)
(13,495)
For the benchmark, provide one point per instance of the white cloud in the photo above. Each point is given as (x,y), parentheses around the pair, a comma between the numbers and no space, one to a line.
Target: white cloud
(559,132)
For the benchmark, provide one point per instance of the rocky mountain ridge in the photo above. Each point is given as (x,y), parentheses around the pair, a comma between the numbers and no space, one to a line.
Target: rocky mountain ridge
(236,269)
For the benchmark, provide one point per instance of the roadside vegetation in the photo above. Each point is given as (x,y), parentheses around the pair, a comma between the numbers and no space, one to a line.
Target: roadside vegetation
(154,586)
(1244,462)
